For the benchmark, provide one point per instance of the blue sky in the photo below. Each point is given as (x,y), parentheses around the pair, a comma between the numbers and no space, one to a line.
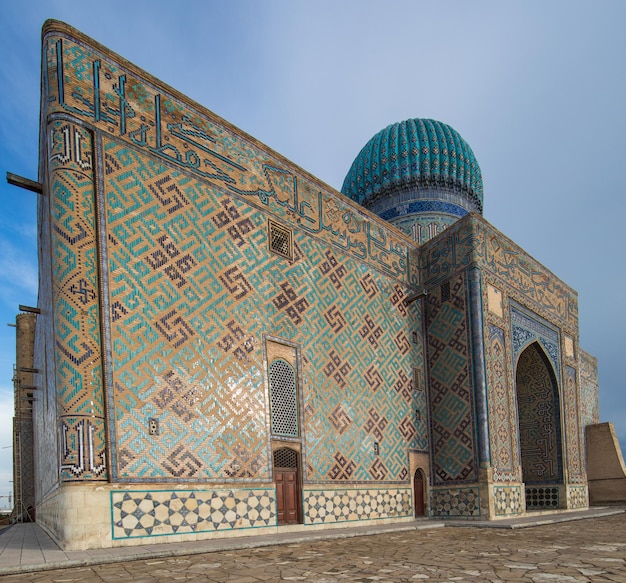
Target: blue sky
(536,88)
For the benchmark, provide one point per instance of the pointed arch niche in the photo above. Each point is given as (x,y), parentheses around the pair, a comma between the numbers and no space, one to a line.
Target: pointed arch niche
(539,423)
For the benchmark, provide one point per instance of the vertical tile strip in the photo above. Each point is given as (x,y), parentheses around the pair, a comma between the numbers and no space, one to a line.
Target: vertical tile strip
(76,318)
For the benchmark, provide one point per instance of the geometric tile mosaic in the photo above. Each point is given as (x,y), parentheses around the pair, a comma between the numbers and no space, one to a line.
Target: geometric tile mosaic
(577,497)
(198,367)
(526,328)
(474,240)
(77,342)
(589,403)
(575,462)
(192,288)
(114,98)
(508,500)
(137,513)
(329,506)
(502,434)
(450,385)
(454,502)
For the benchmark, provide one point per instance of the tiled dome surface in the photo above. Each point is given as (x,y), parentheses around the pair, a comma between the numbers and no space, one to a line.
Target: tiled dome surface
(415,152)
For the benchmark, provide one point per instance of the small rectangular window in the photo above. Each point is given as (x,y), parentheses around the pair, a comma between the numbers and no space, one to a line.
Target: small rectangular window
(417,379)
(280,240)
(445,291)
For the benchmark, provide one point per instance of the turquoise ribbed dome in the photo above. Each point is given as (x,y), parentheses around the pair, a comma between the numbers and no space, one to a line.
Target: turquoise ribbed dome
(414,153)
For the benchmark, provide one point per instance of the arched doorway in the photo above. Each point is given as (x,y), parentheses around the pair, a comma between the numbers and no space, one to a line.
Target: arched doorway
(287,479)
(419,493)
(539,420)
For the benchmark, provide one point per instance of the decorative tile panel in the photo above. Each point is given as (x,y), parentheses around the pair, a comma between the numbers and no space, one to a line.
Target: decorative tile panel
(193,297)
(577,497)
(502,430)
(78,348)
(539,418)
(149,513)
(508,500)
(331,506)
(589,402)
(447,329)
(573,441)
(97,87)
(473,240)
(526,329)
(494,300)
(455,502)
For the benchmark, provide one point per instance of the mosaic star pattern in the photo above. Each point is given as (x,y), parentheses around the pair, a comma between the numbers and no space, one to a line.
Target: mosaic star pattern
(159,513)
(456,502)
(508,500)
(323,507)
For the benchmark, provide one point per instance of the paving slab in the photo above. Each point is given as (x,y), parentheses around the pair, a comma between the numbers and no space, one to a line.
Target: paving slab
(26,548)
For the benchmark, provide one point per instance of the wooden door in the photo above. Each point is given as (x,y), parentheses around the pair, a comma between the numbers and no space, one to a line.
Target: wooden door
(287,495)
(418,493)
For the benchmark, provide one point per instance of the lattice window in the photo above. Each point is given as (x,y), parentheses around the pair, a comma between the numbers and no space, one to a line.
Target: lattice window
(542,498)
(286,458)
(445,291)
(280,240)
(283,398)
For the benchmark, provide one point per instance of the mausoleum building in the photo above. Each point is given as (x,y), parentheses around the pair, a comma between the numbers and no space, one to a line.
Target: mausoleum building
(226,346)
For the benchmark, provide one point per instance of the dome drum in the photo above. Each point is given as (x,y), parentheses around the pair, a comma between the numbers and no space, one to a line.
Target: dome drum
(426,198)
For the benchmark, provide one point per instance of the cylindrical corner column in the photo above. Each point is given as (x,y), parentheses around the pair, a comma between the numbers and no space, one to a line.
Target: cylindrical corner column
(76,306)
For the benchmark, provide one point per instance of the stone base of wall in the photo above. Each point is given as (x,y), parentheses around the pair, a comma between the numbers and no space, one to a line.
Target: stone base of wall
(90,516)
(496,501)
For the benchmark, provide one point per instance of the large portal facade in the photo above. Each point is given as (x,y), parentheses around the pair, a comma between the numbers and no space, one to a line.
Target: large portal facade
(538,407)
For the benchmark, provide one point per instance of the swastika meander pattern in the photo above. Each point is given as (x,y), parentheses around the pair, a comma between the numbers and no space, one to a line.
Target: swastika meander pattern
(450,385)
(192,290)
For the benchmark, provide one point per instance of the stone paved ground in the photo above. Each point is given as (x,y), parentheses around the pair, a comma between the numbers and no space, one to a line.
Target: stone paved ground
(587,550)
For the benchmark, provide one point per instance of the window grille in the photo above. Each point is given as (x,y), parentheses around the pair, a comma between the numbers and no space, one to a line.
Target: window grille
(280,240)
(283,398)
(542,498)
(286,458)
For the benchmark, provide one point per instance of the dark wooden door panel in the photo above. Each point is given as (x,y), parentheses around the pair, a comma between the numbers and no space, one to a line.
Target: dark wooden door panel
(418,489)
(280,497)
(287,496)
